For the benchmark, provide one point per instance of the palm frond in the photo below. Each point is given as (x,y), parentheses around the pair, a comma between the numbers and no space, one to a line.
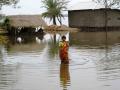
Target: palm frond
(54,8)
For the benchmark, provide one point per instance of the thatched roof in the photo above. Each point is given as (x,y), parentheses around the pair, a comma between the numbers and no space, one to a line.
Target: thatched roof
(26,21)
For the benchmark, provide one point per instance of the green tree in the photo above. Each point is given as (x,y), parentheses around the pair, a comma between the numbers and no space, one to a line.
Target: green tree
(8,2)
(6,23)
(54,9)
(109,3)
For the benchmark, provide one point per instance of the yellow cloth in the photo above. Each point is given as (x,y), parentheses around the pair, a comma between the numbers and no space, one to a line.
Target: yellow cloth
(61,44)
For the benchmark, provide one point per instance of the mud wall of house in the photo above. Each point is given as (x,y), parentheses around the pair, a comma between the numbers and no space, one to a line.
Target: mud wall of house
(93,18)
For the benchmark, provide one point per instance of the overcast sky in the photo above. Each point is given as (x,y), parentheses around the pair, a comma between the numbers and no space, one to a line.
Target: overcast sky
(32,7)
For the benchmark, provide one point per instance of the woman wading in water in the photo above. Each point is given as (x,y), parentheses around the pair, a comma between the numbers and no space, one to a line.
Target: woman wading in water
(64,46)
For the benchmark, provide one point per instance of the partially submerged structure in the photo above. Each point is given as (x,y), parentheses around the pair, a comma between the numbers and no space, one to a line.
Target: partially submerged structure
(94,17)
(25,23)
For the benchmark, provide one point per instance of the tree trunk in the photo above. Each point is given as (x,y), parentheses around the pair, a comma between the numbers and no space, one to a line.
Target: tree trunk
(54,20)
(60,21)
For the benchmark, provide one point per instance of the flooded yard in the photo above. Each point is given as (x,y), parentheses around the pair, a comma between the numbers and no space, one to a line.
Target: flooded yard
(32,62)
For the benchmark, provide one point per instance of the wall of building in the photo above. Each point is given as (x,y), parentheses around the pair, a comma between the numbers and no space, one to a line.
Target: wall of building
(114,18)
(94,18)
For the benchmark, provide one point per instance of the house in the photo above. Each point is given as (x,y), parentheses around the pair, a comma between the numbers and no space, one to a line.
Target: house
(27,23)
(93,17)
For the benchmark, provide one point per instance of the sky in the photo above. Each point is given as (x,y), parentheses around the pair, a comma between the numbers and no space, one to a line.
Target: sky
(31,7)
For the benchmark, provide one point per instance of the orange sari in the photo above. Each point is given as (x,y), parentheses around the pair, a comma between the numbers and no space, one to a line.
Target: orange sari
(64,51)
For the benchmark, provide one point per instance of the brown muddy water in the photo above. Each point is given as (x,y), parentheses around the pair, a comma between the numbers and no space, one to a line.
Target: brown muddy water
(32,62)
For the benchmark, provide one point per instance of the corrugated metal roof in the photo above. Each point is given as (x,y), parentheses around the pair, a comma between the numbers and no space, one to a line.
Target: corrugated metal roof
(86,5)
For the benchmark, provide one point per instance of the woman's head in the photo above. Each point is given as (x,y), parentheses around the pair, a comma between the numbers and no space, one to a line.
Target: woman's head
(63,38)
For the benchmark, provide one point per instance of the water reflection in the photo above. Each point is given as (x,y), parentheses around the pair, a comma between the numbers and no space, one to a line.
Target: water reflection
(3,40)
(109,66)
(8,76)
(25,60)
(64,75)
(94,39)
(53,42)
(25,39)
(19,39)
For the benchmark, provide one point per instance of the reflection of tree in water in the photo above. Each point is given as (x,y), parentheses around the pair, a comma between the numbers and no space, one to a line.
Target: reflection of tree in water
(64,75)
(54,43)
(4,39)
(53,46)
(3,43)
(7,72)
(54,49)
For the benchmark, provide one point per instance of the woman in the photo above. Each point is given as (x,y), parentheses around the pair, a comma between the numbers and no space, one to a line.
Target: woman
(64,50)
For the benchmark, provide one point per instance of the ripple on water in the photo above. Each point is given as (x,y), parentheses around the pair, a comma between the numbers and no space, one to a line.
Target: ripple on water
(20,69)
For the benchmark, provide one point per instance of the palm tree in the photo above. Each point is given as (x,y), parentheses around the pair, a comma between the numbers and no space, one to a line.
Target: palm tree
(54,9)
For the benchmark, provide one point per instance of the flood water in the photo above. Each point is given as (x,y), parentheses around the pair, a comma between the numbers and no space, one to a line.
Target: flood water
(32,62)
